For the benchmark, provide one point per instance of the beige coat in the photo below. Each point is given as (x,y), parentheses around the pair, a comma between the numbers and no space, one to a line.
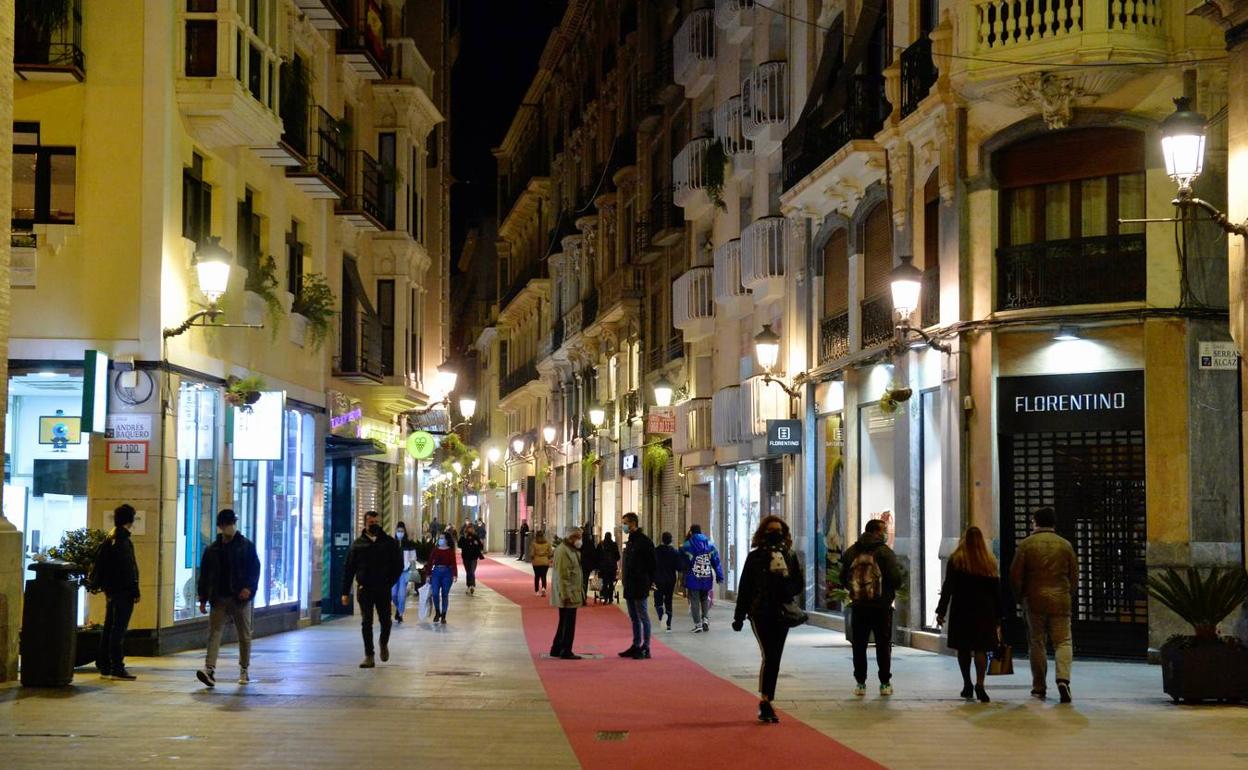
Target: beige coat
(541,554)
(1045,573)
(568,584)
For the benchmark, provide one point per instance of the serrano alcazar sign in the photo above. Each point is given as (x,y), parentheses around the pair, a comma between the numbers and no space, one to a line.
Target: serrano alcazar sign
(1071,402)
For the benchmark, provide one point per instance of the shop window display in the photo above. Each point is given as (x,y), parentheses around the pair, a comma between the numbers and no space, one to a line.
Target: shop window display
(830,537)
(933,510)
(743,509)
(198,420)
(875,445)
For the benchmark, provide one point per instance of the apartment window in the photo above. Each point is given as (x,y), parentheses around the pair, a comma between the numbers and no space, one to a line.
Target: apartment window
(431,159)
(249,250)
(414,349)
(385,309)
(44,181)
(196,201)
(416,199)
(877,248)
(387,157)
(294,260)
(836,274)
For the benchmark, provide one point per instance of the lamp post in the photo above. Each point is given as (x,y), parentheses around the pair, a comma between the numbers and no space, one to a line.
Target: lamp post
(907,287)
(1183,149)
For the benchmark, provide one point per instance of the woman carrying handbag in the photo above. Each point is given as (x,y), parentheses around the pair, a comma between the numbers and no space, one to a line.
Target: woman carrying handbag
(971,599)
(770,582)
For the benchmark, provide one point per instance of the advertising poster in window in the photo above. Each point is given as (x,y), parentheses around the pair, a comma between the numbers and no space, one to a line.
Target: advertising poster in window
(258,428)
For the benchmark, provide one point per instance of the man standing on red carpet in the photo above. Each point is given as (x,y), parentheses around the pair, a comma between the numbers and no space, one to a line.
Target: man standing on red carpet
(639,564)
(568,594)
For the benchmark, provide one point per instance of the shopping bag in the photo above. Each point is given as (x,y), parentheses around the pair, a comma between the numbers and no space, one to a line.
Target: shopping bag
(1001,660)
(424,602)
(595,584)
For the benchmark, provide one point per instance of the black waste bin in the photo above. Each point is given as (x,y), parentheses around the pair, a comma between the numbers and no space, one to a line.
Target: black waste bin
(49,625)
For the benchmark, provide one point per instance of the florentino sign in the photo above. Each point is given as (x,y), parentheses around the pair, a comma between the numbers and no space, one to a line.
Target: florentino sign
(1071,402)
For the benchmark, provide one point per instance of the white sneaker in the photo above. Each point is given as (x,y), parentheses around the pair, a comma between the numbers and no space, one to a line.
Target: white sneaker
(243,676)
(886,690)
(697,629)
(860,690)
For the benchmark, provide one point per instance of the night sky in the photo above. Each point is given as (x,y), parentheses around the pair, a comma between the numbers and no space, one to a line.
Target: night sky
(501,43)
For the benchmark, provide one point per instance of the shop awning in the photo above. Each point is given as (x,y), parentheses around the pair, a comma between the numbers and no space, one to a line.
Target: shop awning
(340,447)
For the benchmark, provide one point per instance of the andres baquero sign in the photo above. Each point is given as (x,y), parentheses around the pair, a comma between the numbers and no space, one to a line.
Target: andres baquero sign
(1071,402)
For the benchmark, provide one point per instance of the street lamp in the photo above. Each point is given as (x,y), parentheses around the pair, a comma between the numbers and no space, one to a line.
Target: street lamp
(1183,149)
(767,351)
(517,445)
(907,286)
(663,392)
(548,433)
(212,270)
(467,406)
(493,454)
(445,379)
(597,416)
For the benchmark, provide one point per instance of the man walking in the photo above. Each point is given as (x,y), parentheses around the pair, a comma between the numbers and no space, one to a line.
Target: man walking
(667,567)
(870,571)
(116,572)
(702,571)
(375,562)
(229,575)
(568,594)
(639,565)
(1044,575)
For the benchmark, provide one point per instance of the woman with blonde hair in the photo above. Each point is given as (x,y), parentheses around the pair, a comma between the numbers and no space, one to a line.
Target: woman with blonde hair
(973,587)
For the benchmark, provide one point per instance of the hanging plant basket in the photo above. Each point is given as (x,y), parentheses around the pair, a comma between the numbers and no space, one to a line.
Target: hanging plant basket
(243,392)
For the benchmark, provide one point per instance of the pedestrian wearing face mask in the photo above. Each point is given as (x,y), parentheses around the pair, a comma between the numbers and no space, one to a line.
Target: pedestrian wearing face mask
(470,551)
(375,563)
(442,572)
(770,579)
(229,575)
(399,593)
(568,594)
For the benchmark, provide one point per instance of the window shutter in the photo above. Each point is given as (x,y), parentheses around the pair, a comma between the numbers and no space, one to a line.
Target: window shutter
(877,240)
(836,274)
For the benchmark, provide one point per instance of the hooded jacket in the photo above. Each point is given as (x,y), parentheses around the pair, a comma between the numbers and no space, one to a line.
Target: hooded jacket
(238,559)
(668,564)
(116,569)
(885,559)
(1045,573)
(375,564)
(698,571)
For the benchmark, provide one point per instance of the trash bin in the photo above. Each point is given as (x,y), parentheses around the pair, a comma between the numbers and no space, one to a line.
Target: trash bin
(49,625)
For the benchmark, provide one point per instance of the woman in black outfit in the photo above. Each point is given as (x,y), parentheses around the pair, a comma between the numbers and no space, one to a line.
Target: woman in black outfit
(471,549)
(770,578)
(973,585)
(608,566)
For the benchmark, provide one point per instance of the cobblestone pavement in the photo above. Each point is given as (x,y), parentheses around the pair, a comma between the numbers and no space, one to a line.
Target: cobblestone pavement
(468,695)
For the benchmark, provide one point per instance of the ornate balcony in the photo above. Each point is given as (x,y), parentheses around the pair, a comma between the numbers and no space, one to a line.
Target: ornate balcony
(323,174)
(732,299)
(1077,271)
(809,145)
(362,42)
(514,380)
(694,426)
(362,206)
(726,416)
(619,291)
(323,14)
(50,54)
(693,305)
(735,18)
(359,356)
(877,320)
(762,401)
(689,178)
(834,338)
(764,253)
(765,106)
(728,130)
(693,52)
(918,74)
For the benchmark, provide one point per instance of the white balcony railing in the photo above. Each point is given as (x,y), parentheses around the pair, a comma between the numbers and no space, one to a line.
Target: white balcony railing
(693,426)
(728,131)
(732,299)
(693,54)
(693,304)
(726,419)
(1130,30)
(735,18)
(762,402)
(689,177)
(407,66)
(765,106)
(764,252)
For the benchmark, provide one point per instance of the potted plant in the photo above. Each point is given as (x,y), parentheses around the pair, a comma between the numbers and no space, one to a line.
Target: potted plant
(261,298)
(243,392)
(1203,666)
(312,310)
(894,396)
(79,547)
(714,163)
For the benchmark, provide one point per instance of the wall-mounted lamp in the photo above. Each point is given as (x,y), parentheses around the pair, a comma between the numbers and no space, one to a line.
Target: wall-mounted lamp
(548,433)
(493,454)
(663,392)
(212,270)
(767,351)
(1183,149)
(907,287)
(1066,334)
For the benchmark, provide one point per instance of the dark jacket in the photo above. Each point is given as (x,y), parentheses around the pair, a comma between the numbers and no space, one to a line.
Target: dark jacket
(976,609)
(668,564)
(639,563)
(885,559)
(470,548)
(116,569)
(762,590)
(239,561)
(375,564)
(608,561)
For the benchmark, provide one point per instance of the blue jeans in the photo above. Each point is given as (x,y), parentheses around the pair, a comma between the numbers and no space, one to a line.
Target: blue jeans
(399,593)
(639,613)
(440,584)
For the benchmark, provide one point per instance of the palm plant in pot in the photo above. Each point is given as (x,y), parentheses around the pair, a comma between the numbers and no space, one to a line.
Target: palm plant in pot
(1203,666)
(79,547)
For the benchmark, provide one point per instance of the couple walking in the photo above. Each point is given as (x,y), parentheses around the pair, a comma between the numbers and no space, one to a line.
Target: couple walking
(569,589)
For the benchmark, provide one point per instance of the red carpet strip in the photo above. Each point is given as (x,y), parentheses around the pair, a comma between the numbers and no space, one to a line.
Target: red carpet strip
(673,710)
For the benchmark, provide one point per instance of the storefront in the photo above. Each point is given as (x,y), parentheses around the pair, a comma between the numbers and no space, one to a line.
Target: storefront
(199,435)
(750,491)
(831,522)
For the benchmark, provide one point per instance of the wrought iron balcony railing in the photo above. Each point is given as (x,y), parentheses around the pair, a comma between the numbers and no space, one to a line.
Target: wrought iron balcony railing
(808,144)
(1076,271)
(877,320)
(918,74)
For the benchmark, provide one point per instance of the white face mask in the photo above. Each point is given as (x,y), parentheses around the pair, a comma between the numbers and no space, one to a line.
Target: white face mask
(399,533)
(441,542)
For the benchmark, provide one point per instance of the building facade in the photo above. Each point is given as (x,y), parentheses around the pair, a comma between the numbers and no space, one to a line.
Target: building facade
(295,140)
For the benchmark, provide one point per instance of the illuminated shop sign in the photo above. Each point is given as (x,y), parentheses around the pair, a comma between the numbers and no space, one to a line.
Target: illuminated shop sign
(1064,402)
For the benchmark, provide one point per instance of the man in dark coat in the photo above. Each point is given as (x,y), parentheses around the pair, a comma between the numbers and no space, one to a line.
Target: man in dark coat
(639,565)
(116,573)
(668,564)
(870,571)
(229,576)
(375,561)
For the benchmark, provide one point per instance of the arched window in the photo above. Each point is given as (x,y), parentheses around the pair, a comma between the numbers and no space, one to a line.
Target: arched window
(836,274)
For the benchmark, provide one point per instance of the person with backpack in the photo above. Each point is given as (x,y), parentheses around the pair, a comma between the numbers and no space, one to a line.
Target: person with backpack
(702,572)
(116,573)
(1044,576)
(973,587)
(668,566)
(770,579)
(870,571)
(229,576)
